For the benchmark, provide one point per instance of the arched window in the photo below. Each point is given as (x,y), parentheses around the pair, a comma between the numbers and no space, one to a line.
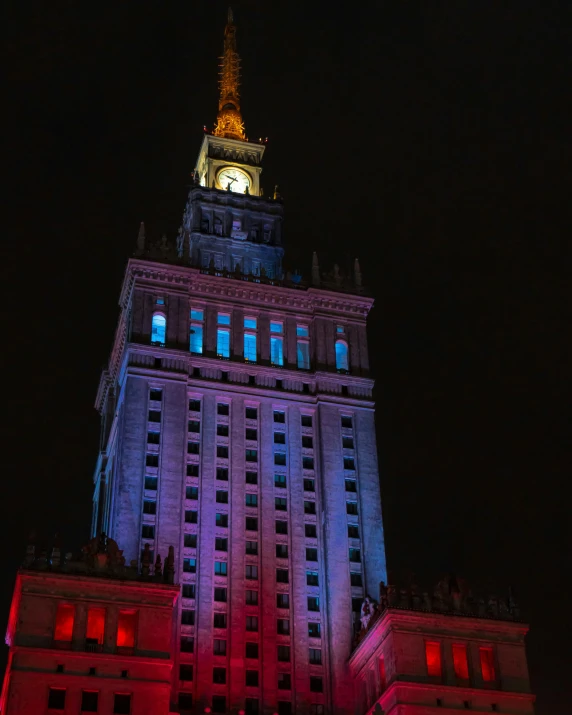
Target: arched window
(158,329)
(342,355)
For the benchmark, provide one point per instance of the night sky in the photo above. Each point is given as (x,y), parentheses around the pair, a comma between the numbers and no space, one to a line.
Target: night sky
(430,139)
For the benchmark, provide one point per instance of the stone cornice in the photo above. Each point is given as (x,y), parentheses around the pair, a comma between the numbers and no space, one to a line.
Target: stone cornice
(169,593)
(164,659)
(325,386)
(220,197)
(437,688)
(312,299)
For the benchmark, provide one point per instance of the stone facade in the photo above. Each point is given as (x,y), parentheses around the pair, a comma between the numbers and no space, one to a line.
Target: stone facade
(419,662)
(292,443)
(89,642)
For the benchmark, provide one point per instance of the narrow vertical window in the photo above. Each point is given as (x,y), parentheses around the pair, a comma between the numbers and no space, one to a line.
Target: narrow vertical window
(95,626)
(342,362)
(64,622)
(158,329)
(487,664)
(126,629)
(223,335)
(196,331)
(250,339)
(276,343)
(460,661)
(302,347)
(433,659)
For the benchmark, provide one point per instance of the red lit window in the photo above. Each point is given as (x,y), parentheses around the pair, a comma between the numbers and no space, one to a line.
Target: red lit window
(433,658)
(460,661)
(126,629)
(487,664)
(95,625)
(64,622)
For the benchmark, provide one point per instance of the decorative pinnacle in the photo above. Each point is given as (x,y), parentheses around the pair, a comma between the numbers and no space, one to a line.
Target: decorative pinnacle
(229,119)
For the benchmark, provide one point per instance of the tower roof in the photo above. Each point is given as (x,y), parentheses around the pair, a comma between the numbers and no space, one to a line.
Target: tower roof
(229,122)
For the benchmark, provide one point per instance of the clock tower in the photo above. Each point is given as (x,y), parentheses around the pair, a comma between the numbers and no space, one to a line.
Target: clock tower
(228,225)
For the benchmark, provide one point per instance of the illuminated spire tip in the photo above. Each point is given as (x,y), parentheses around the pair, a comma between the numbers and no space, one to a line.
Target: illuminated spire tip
(229,119)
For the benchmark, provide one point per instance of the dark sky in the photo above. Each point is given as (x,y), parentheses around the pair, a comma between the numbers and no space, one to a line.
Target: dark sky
(431,139)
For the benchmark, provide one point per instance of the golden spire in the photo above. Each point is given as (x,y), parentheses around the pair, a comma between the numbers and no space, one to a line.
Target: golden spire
(229,119)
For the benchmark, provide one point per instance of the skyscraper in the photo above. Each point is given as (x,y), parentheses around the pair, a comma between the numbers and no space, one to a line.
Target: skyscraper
(238,426)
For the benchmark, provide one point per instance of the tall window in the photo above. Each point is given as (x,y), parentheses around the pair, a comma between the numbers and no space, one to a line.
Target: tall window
(433,659)
(95,626)
(126,629)
(276,343)
(197,328)
(303,347)
(487,664)
(158,329)
(342,362)
(64,622)
(460,661)
(250,339)
(223,335)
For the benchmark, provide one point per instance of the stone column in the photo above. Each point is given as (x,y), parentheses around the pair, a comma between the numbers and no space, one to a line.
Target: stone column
(79,626)
(264,336)
(110,633)
(237,342)
(210,328)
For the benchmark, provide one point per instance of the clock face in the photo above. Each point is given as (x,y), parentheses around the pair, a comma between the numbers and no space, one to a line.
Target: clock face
(238,180)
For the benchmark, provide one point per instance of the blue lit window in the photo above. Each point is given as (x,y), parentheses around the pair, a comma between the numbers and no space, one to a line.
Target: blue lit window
(223,343)
(197,314)
(250,323)
(302,331)
(223,319)
(250,347)
(220,568)
(190,565)
(276,351)
(158,329)
(251,500)
(275,327)
(160,301)
(339,328)
(342,355)
(196,344)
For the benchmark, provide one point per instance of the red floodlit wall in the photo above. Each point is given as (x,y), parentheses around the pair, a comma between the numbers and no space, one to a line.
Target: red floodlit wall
(460,661)
(95,624)
(382,675)
(63,630)
(53,639)
(126,625)
(433,658)
(487,664)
